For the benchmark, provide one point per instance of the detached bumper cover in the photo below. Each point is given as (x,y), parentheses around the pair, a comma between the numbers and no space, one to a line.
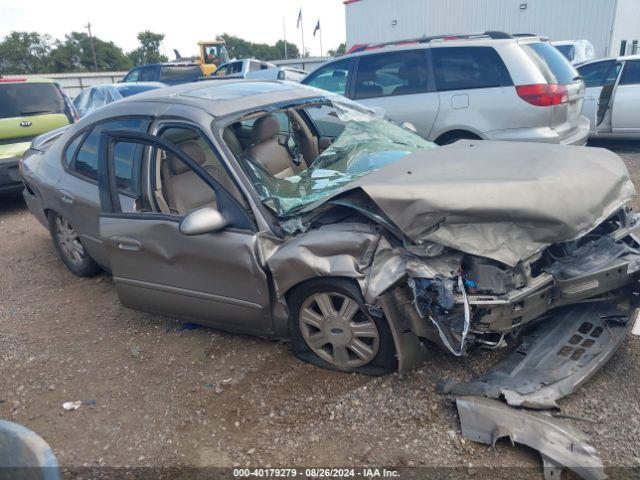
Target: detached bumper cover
(559,355)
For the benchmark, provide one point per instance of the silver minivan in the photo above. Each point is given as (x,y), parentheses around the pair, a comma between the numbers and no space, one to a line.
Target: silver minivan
(491,86)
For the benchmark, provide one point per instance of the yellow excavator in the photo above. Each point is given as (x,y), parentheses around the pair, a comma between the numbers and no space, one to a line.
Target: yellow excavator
(211,55)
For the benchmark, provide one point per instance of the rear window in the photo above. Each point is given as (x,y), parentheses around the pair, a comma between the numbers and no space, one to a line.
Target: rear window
(169,73)
(23,99)
(551,63)
(86,162)
(462,68)
(568,51)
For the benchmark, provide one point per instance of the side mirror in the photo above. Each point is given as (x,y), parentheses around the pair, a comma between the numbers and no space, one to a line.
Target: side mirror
(410,126)
(204,220)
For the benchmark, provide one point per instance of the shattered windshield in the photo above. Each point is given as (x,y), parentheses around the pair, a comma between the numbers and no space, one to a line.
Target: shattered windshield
(362,141)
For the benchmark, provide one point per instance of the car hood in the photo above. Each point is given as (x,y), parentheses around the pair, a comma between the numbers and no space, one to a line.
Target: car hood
(501,200)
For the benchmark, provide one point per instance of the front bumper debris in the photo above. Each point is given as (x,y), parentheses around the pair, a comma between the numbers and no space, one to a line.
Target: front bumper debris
(561,354)
(558,356)
(486,421)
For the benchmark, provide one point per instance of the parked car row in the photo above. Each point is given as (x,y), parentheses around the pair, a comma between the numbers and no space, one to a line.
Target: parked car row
(491,86)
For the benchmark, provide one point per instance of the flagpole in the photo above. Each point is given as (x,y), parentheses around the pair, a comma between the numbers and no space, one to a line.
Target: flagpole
(302,31)
(320,30)
(284,34)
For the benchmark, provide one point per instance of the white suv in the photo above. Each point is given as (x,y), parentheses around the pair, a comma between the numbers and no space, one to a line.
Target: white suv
(492,86)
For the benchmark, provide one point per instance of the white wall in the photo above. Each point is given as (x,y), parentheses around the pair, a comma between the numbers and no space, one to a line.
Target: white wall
(626,26)
(371,20)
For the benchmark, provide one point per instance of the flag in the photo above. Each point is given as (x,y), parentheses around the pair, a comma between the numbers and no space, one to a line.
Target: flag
(299,18)
(317,28)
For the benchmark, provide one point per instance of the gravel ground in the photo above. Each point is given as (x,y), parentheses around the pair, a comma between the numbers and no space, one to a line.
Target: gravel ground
(156,393)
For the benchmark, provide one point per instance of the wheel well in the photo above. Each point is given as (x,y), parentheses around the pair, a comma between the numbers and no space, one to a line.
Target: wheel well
(311,281)
(456,134)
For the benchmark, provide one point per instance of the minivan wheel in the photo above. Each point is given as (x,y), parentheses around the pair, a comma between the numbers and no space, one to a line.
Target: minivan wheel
(70,248)
(331,327)
(454,136)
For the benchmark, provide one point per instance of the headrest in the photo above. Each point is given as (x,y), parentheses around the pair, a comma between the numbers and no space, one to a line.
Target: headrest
(265,128)
(193,150)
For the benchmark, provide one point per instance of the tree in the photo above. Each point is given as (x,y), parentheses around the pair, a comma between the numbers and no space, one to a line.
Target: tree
(24,53)
(149,49)
(341,50)
(74,55)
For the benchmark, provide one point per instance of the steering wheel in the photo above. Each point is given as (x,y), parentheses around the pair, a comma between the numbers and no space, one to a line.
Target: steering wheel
(293,151)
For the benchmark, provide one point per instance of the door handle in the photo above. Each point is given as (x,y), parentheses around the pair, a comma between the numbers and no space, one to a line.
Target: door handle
(127,244)
(66,197)
(590,98)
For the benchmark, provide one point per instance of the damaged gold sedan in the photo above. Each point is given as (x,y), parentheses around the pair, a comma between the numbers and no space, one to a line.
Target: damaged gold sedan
(281,211)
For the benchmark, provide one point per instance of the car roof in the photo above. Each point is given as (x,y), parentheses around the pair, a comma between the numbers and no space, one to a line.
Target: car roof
(17,79)
(598,60)
(224,97)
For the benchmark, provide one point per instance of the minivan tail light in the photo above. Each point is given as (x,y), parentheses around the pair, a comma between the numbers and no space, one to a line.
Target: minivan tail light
(543,94)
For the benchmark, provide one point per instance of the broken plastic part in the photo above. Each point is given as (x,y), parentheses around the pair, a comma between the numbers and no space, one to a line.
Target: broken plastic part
(560,445)
(558,356)
(434,299)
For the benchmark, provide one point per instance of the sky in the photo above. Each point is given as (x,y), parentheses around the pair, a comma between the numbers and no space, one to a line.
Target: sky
(184,23)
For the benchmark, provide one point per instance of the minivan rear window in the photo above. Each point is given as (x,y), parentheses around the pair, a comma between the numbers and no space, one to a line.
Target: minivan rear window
(24,99)
(551,63)
(463,68)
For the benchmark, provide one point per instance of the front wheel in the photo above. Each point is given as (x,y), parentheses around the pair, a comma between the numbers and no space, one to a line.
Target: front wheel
(70,248)
(331,327)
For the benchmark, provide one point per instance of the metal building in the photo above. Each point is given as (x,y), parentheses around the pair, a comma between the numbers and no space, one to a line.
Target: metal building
(612,26)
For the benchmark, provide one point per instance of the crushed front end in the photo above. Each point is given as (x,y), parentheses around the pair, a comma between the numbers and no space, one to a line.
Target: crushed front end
(475,300)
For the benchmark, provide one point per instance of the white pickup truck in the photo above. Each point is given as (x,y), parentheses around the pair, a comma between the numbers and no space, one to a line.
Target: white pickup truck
(251,68)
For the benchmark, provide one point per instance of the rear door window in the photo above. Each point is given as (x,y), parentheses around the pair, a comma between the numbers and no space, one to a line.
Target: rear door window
(568,51)
(86,160)
(551,63)
(148,74)
(30,98)
(463,68)
(179,73)
(387,74)
(631,73)
(600,73)
(332,77)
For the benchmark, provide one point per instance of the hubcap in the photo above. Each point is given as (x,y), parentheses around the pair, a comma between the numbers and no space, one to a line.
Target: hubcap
(69,241)
(337,330)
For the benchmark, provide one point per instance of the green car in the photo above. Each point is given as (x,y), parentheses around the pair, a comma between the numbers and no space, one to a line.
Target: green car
(28,108)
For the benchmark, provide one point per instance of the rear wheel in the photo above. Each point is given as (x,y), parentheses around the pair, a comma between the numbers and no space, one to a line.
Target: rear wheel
(452,137)
(70,248)
(331,328)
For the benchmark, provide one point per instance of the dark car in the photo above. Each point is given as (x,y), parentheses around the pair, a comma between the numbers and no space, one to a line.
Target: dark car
(171,73)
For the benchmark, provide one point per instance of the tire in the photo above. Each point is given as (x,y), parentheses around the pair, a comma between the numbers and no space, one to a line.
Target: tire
(453,137)
(358,342)
(69,247)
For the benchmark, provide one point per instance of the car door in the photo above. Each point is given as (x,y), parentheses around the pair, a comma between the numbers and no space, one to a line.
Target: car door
(401,83)
(600,79)
(626,102)
(212,278)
